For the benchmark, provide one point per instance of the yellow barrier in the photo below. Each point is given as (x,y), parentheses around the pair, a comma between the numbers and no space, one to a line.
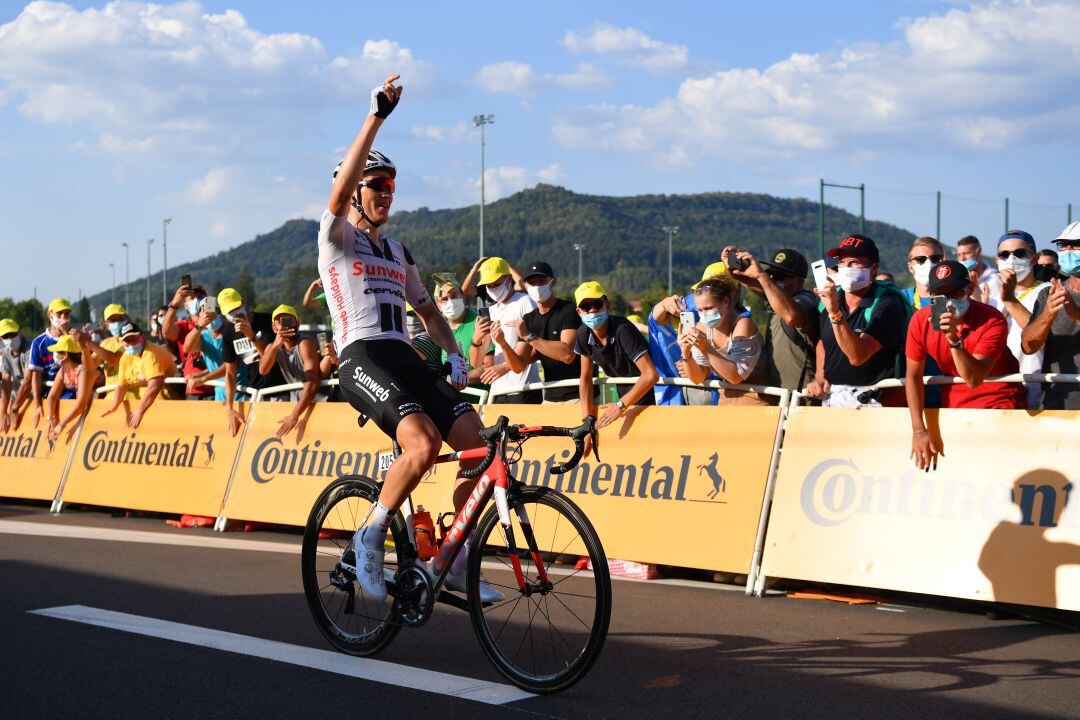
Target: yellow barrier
(178,461)
(31,466)
(677,485)
(993,522)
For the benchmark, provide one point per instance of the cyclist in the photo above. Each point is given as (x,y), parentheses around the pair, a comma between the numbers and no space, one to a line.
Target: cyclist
(368,278)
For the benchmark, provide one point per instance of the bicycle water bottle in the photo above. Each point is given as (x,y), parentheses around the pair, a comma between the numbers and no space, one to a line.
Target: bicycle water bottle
(424,532)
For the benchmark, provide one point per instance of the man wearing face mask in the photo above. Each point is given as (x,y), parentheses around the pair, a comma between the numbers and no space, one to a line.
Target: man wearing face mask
(862,327)
(298,360)
(109,351)
(1055,324)
(1019,291)
(178,323)
(245,335)
(970,344)
(1046,266)
(549,333)
(208,342)
(508,308)
(450,299)
(143,369)
(13,362)
(924,254)
(969,253)
(42,367)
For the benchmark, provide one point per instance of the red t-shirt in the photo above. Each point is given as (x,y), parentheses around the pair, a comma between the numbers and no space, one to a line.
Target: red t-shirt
(187,360)
(983,332)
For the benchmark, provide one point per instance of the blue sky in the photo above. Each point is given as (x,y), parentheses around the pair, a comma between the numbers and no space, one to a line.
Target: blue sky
(229,116)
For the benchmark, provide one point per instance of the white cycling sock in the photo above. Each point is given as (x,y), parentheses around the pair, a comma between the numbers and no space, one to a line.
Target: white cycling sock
(374,535)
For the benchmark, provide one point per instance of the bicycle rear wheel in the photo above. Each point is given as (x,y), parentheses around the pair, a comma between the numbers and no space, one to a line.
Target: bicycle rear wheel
(351,621)
(546,638)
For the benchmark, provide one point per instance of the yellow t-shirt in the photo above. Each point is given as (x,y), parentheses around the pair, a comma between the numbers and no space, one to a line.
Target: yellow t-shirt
(112,344)
(136,370)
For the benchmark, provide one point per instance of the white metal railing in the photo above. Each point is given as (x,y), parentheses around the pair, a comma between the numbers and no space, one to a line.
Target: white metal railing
(253,392)
(1068,378)
(679,381)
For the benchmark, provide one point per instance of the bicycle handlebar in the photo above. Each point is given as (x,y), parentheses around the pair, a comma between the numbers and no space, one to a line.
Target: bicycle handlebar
(496,436)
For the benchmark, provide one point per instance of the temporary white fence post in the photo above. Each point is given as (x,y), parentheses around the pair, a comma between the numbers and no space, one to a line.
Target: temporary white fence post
(219,523)
(753,586)
(58,503)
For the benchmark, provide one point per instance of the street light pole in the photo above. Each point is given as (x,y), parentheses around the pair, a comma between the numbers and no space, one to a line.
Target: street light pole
(480,121)
(148,244)
(127,273)
(579,247)
(670,230)
(165,261)
(112,297)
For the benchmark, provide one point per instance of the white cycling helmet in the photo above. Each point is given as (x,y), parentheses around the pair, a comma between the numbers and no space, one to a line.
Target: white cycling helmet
(375,161)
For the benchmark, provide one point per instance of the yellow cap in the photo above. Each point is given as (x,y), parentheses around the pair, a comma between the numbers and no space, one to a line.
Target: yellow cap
(716,270)
(59,304)
(7,326)
(284,309)
(588,291)
(636,319)
(228,300)
(492,269)
(114,309)
(65,344)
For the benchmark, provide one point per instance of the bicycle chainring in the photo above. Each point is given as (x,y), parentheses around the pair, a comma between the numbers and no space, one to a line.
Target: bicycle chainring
(414,598)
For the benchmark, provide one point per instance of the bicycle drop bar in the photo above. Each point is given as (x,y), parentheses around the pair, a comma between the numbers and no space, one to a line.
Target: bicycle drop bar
(496,436)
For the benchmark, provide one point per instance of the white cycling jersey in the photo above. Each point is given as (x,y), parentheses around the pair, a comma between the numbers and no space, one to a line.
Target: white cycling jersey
(366,282)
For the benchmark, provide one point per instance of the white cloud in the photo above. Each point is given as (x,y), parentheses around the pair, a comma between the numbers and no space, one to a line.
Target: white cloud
(499,182)
(629,46)
(506,180)
(518,78)
(440,134)
(209,188)
(981,77)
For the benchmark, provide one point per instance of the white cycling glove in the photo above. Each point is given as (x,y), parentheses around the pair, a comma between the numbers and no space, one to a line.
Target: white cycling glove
(381,106)
(459,374)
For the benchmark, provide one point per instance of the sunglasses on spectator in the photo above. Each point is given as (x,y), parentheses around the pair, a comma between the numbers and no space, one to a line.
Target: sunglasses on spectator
(591,305)
(1022,254)
(920,259)
(380,184)
(9,336)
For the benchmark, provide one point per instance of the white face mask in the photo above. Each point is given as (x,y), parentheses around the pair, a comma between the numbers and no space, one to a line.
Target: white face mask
(498,293)
(453,308)
(852,278)
(921,273)
(60,323)
(539,293)
(1022,267)
(13,343)
(192,306)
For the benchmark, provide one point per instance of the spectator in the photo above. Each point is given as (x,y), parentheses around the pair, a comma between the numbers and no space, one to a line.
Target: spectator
(510,306)
(639,323)
(144,365)
(1019,291)
(862,330)
(297,359)
(923,254)
(726,342)
(316,300)
(970,344)
(1055,325)
(792,311)
(617,347)
(179,322)
(549,332)
(157,332)
(72,375)
(462,320)
(1046,266)
(470,287)
(208,340)
(14,358)
(110,349)
(245,336)
(664,349)
(885,277)
(41,367)
(969,253)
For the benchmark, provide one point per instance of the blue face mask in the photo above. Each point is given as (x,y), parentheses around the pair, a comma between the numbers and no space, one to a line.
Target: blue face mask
(1069,260)
(133,349)
(711,318)
(960,307)
(970,264)
(114,328)
(215,324)
(595,319)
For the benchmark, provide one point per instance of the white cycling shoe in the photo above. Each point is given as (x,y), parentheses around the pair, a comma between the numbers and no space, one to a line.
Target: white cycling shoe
(369,572)
(488,594)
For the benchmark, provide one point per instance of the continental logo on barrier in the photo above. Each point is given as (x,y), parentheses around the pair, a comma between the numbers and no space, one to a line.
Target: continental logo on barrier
(27,446)
(195,452)
(272,459)
(836,490)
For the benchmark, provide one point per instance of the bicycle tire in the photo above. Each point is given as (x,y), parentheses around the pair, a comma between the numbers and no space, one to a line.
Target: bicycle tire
(316,565)
(484,618)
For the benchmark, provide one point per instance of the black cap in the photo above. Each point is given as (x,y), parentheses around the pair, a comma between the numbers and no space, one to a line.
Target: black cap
(858,245)
(539,268)
(948,275)
(789,261)
(128,329)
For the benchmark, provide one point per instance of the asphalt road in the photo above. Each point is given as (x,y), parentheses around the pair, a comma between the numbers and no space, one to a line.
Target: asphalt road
(691,650)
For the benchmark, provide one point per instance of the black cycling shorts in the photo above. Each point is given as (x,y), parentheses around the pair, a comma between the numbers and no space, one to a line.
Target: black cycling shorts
(387,381)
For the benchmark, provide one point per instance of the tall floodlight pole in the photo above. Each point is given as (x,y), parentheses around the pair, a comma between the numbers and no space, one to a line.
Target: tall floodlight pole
(165,261)
(670,230)
(127,276)
(579,247)
(480,121)
(148,244)
(112,296)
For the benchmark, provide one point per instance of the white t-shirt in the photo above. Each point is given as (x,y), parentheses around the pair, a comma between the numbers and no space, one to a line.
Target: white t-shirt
(511,311)
(992,281)
(1028,363)
(366,282)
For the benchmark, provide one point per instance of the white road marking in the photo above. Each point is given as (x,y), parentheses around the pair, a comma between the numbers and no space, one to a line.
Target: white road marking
(364,668)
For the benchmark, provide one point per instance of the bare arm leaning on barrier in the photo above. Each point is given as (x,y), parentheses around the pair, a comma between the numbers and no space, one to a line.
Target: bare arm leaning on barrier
(924,448)
(310,357)
(83,394)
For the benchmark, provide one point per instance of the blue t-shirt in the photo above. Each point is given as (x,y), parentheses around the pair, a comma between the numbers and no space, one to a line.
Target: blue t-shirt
(42,360)
(211,350)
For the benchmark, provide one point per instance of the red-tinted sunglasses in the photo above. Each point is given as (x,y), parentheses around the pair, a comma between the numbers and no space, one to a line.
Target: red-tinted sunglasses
(380,184)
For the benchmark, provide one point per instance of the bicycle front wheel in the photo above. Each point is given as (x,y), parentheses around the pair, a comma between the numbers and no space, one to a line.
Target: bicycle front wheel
(546,637)
(346,616)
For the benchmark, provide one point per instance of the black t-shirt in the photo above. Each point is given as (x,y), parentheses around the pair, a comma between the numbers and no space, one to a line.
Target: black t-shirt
(625,344)
(549,326)
(887,325)
(235,347)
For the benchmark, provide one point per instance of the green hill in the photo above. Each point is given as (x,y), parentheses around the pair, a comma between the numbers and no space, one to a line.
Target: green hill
(625,246)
